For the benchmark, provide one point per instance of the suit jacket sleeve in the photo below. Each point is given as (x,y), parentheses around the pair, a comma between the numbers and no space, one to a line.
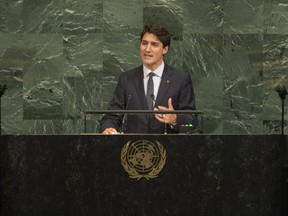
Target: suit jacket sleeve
(186,102)
(117,103)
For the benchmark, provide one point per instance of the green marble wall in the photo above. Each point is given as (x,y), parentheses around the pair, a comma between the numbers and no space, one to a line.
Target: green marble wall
(60,58)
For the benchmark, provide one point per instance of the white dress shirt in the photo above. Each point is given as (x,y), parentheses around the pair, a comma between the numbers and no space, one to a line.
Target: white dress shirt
(156,78)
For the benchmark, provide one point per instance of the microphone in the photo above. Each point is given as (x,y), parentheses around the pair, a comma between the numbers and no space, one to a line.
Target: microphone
(282,91)
(2,89)
(155,105)
(153,99)
(125,115)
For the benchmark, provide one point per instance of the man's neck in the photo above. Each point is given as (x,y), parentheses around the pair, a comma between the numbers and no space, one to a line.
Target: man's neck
(153,67)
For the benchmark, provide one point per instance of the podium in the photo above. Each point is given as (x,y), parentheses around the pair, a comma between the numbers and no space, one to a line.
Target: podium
(207,175)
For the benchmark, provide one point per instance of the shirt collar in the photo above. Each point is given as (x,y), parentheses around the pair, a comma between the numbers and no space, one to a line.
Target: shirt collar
(158,71)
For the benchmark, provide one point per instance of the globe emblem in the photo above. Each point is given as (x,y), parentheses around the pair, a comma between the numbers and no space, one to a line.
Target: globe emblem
(143,159)
(143,156)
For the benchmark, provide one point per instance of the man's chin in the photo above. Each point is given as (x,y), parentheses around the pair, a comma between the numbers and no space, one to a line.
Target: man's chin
(148,63)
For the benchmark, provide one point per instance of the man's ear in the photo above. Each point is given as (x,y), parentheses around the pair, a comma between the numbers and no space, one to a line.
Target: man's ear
(165,50)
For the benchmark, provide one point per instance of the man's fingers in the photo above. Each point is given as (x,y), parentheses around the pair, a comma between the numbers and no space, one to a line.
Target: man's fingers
(110,131)
(170,106)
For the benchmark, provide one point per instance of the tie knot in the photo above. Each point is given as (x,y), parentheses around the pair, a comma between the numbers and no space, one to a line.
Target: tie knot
(151,74)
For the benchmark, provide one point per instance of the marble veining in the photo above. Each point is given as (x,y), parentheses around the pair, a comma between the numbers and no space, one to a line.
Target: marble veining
(60,58)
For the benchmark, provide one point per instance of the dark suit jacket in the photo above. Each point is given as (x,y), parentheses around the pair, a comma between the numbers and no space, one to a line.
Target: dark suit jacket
(174,84)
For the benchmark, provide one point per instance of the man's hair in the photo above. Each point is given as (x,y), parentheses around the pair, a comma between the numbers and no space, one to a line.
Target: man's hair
(162,34)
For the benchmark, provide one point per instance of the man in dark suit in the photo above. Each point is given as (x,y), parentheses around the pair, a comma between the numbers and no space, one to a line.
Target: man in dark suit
(171,90)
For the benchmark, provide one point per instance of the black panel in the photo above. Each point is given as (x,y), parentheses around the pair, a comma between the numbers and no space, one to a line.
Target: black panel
(83,175)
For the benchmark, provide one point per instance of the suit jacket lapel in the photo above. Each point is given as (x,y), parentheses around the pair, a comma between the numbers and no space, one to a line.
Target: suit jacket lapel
(165,83)
(139,86)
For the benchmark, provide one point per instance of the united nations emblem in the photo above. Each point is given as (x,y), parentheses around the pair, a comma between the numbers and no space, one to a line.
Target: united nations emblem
(143,159)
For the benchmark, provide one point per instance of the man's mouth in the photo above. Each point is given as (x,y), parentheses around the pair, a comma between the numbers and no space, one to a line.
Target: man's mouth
(148,55)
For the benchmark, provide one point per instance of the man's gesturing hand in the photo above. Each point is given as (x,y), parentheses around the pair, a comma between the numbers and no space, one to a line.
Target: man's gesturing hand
(166,118)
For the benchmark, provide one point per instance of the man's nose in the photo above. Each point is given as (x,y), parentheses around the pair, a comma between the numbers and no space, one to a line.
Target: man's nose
(148,47)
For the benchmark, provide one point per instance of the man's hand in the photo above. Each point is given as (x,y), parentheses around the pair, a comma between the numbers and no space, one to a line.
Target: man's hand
(110,131)
(166,118)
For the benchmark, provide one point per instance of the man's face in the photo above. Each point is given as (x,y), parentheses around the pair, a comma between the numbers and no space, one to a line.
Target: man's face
(152,51)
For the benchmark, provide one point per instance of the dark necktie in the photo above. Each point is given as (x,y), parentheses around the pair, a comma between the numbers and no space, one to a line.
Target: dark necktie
(150,91)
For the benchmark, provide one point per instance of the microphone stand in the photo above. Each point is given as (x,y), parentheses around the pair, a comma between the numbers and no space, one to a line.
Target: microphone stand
(125,115)
(2,90)
(155,105)
(282,91)
(165,128)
